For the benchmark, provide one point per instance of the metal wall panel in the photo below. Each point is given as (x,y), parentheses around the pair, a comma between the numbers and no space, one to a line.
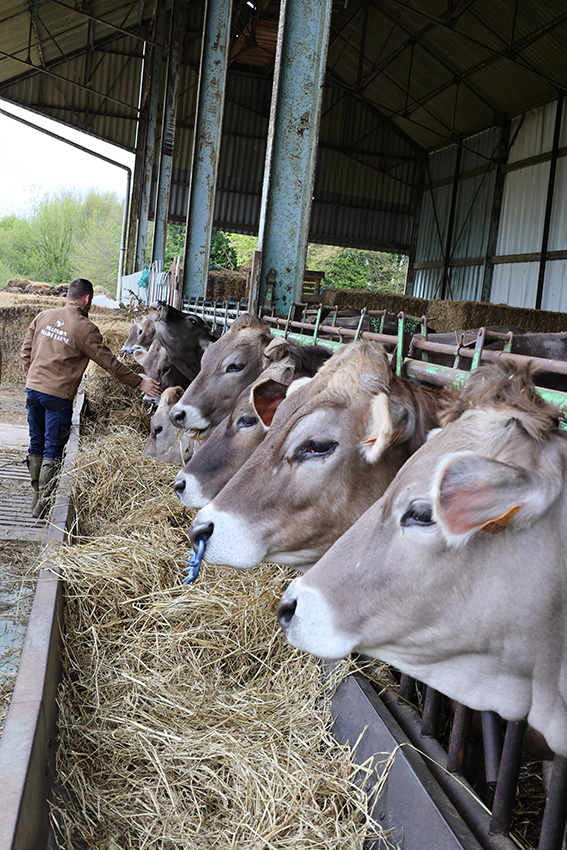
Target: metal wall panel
(515,284)
(523,208)
(555,289)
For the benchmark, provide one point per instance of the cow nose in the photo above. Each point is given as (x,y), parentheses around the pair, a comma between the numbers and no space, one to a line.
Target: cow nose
(203,530)
(285,612)
(178,418)
(179,485)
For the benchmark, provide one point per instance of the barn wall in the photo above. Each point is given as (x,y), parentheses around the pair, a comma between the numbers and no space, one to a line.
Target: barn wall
(469,223)
(513,270)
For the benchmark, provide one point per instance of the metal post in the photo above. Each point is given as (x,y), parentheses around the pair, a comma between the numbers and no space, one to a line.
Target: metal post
(156,62)
(293,135)
(549,202)
(206,147)
(177,32)
(497,196)
(451,224)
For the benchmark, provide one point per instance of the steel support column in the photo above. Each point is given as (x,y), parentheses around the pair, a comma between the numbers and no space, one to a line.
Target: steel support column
(293,135)
(445,286)
(494,224)
(549,202)
(167,147)
(149,141)
(206,147)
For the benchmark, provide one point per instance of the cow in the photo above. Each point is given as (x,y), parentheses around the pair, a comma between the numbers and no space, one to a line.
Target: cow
(227,367)
(184,336)
(457,575)
(235,438)
(332,448)
(165,442)
(157,364)
(141,334)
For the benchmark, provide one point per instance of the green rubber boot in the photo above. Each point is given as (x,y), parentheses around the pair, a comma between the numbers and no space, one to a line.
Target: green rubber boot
(34,466)
(46,486)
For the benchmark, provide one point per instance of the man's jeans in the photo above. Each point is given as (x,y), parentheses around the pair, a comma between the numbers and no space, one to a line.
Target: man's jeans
(49,420)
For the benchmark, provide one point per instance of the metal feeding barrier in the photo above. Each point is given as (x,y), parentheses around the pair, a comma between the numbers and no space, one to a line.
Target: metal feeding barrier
(479,818)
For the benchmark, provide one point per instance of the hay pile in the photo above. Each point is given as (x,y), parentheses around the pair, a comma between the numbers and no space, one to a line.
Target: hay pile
(186,719)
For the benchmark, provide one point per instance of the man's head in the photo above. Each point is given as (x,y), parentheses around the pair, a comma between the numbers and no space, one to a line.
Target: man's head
(81,292)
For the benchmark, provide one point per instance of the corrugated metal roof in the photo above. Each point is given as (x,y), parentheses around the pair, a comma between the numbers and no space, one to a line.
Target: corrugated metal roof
(404,77)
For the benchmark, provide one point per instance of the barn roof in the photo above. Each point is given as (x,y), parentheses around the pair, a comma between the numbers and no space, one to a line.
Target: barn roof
(404,77)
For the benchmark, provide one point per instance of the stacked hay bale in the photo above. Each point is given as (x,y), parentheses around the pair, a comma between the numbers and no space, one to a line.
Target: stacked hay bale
(223,283)
(186,720)
(449,315)
(17,311)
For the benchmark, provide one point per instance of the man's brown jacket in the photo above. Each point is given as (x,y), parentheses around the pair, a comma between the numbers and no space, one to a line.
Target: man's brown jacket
(57,348)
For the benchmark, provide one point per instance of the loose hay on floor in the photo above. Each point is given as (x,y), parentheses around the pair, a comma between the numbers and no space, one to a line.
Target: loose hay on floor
(186,719)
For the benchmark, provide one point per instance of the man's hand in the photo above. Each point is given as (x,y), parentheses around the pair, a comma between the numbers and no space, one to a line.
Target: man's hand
(150,387)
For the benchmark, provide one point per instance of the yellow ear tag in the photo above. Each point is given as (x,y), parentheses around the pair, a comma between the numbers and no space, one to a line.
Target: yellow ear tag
(495,526)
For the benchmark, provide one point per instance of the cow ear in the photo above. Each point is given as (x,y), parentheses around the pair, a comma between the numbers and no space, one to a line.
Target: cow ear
(266,398)
(477,493)
(387,423)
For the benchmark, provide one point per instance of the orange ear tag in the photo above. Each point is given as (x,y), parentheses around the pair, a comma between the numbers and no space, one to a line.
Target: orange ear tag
(495,526)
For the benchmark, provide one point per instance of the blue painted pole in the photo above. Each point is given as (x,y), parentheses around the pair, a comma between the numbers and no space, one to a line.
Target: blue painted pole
(293,136)
(206,147)
(150,138)
(168,129)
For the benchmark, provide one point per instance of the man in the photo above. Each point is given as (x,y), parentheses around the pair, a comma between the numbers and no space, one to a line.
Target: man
(57,348)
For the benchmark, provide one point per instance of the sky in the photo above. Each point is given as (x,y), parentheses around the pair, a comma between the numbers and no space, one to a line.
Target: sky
(33,164)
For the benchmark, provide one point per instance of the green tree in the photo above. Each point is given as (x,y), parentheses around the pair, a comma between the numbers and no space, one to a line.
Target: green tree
(95,254)
(174,243)
(348,268)
(244,246)
(222,252)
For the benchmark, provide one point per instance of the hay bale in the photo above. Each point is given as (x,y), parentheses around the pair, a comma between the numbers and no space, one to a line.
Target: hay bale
(16,313)
(222,283)
(356,299)
(185,717)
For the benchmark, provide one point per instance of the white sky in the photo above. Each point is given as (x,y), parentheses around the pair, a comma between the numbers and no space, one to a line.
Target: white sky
(33,164)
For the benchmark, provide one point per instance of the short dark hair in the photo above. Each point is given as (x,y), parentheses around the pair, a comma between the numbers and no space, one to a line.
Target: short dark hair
(79,287)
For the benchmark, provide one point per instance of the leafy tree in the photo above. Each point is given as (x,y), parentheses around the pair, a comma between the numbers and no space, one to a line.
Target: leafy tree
(244,246)
(222,252)
(352,268)
(174,243)
(95,254)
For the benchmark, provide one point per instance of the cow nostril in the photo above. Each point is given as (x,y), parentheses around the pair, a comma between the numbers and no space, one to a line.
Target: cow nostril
(179,418)
(286,610)
(204,531)
(179,486)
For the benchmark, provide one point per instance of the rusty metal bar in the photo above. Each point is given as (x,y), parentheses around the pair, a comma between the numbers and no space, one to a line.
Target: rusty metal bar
(492,740)
(508,775)
(555,814)
(458,744)
(431,713)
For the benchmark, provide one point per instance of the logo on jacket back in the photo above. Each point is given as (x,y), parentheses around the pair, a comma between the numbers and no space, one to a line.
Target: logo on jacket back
(59,323)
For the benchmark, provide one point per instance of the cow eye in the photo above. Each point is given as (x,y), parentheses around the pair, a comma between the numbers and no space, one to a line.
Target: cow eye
(235,367)
(166,370)
(139,331)
(315,448)
(418,514)
(158,430)
(246,421)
